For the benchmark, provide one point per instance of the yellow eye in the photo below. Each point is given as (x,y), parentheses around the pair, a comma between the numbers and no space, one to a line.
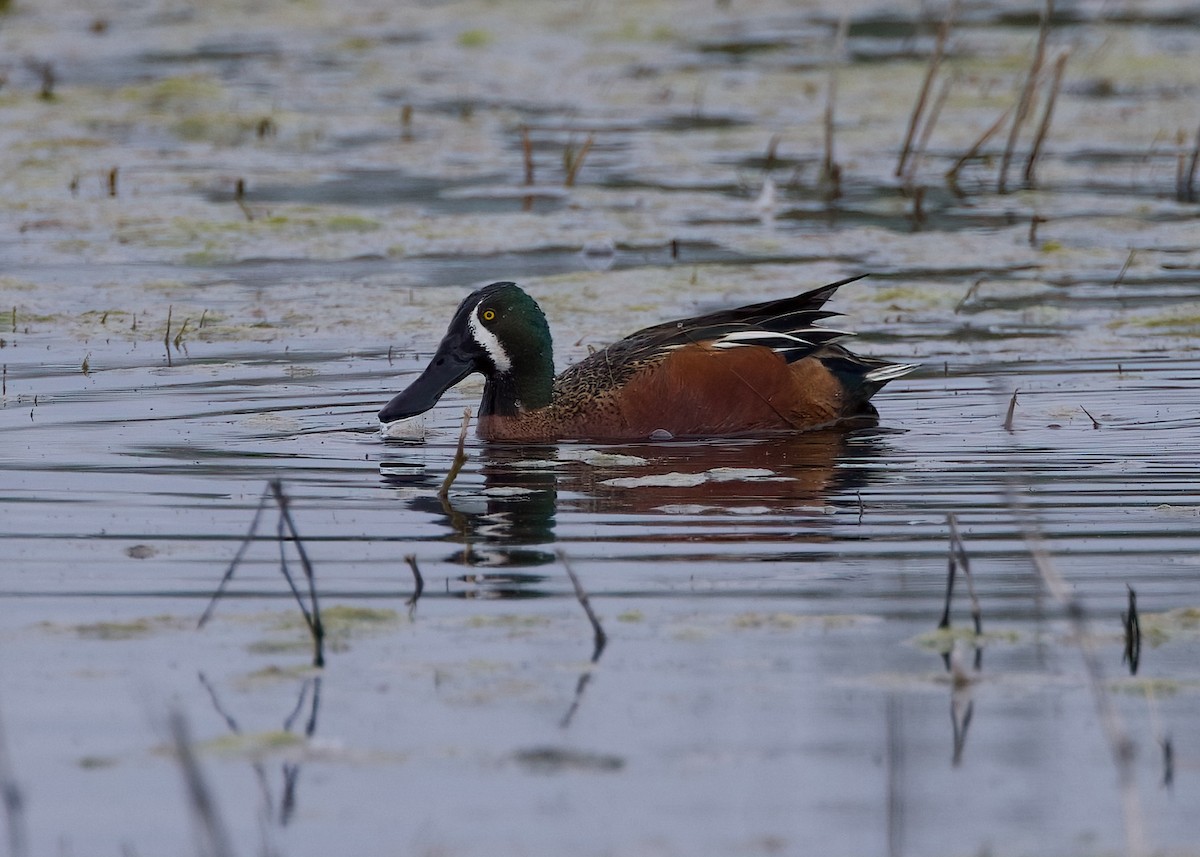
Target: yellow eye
(489,315)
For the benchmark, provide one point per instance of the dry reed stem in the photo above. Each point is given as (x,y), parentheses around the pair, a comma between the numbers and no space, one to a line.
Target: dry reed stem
(830,170)
(935,62)
(1023,103)
(952,173)
(1187,186)
(527,153)
(927,131)
(1047,115)
(1012,407)
(575,162)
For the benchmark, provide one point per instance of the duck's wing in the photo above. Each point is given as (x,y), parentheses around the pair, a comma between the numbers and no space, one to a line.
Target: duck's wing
(788,326)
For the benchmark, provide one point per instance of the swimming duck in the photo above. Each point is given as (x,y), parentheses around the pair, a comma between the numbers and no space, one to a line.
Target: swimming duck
(758,369)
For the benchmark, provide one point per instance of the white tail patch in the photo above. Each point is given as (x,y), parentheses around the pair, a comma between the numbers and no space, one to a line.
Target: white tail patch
(891,372)
(764,338)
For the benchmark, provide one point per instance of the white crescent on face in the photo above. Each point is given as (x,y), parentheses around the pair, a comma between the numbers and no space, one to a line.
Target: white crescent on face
(489,341)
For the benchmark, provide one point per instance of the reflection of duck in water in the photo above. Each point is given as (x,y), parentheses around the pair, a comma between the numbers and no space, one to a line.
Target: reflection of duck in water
(505,529)
(763,368)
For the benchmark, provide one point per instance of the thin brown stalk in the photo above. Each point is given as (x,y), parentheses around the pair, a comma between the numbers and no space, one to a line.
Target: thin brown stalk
(1047,115)
(460,458)
(1125,267)
(967,297)
(600,639)
(935,62)
(575,161)
(1026,99)
(831,171)
(527,153)
(1095,422)
(952,173)
(239,196)
(1012,407)
(927,131)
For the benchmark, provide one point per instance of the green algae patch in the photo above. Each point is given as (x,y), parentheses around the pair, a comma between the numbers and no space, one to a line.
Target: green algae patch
(130,629)
(1153,686)
(794,621)
(352,223)
(1160,628)
(942,640)
(342,623)
(631,616)
(1182,320)
(510,621)
(475,38)
(274,674)
(252,744)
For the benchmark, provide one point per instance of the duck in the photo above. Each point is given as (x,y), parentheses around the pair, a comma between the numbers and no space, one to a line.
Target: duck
(760,369)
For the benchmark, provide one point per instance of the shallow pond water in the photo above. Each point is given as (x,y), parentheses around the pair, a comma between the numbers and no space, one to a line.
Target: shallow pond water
(772,681)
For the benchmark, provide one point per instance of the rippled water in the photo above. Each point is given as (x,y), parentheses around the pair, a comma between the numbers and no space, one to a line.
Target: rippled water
(771,683)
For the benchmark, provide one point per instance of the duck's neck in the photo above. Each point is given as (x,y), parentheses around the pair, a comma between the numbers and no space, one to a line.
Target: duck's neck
(527,386)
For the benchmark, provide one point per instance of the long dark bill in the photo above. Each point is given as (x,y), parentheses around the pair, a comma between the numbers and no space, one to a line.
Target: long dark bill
(453,361)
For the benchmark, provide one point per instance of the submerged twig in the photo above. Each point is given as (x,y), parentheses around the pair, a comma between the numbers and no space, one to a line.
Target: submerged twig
(935,62)
(204,809)
(237,558)
(419,584)
(311,617)
(285,526)
(600,639)
(1119,742)
(959,558)
(1133,633)
(1023,103)
(14,802)
(1185,182)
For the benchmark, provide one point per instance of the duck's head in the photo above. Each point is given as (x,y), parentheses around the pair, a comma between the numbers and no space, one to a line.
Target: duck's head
(499,331)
